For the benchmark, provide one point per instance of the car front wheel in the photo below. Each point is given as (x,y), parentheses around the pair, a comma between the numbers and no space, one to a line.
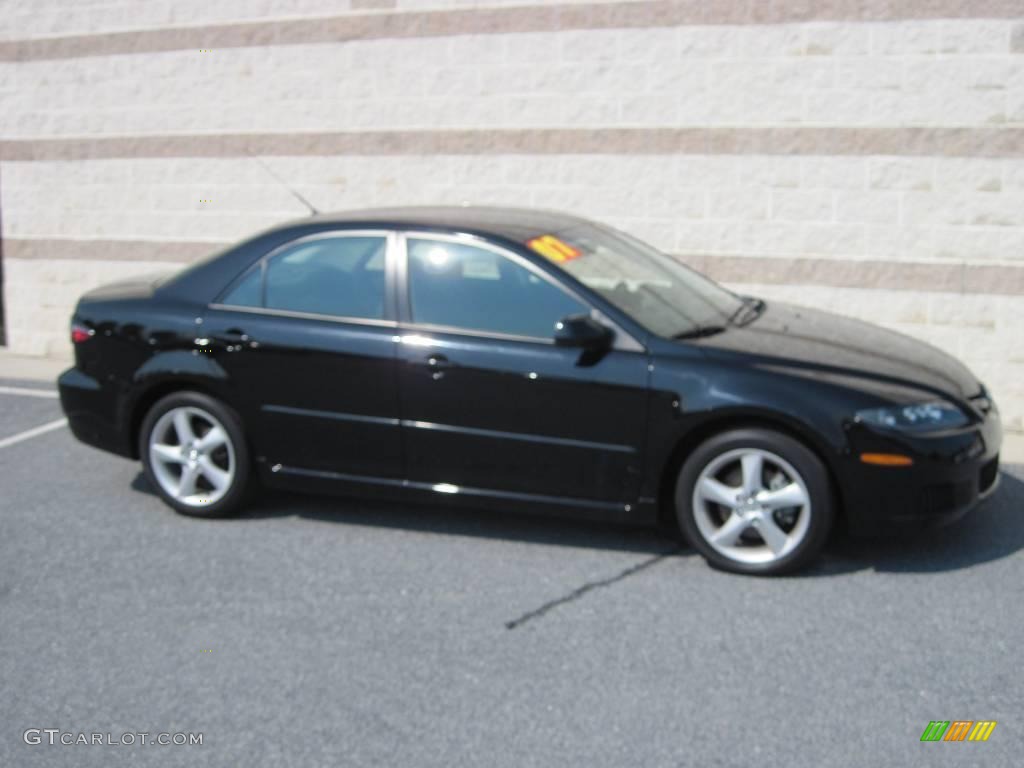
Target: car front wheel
(194,453)
(754,501)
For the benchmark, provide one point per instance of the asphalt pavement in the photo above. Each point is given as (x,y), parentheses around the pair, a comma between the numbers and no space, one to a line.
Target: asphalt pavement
(325,631)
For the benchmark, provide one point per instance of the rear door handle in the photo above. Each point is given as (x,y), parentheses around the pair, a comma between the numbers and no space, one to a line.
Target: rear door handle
(438,364)
(236,338)
(438,361)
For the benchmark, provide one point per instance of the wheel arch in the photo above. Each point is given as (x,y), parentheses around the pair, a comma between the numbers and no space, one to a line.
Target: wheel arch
(156,390)
(687,442)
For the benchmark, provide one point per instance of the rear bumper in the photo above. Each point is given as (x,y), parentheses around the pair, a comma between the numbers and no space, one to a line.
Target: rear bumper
(952,472)
(91,412)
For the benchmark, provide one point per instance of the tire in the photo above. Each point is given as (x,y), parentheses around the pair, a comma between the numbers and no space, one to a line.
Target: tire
(754,501)
(194,454)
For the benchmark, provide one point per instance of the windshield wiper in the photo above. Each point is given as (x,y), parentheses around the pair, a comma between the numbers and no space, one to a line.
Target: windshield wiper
(753,307)
(700,331)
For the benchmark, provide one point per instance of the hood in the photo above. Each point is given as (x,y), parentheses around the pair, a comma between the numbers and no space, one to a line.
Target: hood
(787,336)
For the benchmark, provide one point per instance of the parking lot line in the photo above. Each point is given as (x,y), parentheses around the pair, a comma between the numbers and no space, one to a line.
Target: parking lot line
(30,433)
(27,392)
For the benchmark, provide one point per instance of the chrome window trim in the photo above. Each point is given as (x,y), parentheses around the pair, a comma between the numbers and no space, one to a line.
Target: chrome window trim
(341,319)
(623,341)
(454,330)
(390,256)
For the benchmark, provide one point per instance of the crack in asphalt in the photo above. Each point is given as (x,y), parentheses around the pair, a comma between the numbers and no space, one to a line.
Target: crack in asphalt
(579,592)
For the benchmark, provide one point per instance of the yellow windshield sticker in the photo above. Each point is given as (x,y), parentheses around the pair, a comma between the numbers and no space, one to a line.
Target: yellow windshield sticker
(550,247)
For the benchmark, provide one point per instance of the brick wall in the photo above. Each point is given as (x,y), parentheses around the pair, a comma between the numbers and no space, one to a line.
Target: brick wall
(867,158)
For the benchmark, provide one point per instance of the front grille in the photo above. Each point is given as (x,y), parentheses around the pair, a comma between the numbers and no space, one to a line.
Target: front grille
(988,474)
(944,497)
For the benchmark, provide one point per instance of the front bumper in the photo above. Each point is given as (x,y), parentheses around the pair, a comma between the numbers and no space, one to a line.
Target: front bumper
(951,473)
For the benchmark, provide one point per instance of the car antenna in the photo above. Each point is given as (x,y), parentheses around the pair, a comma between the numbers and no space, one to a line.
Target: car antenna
(312,211)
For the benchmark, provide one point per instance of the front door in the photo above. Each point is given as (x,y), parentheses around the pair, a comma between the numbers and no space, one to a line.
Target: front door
(490,405)
(309,334)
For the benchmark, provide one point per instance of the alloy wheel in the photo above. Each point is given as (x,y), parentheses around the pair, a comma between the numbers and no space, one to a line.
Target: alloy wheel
(751,506)
(192,456)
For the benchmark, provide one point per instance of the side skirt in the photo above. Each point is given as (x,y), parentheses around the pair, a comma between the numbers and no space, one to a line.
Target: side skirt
(323,481)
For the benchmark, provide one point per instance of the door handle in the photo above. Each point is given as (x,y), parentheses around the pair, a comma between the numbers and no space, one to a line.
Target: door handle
(235,338)
(438,364)
(438,361)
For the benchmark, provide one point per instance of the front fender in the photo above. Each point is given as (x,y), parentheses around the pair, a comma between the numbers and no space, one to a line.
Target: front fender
(695,398)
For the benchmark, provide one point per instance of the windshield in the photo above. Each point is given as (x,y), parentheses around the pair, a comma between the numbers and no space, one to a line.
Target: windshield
(661,294)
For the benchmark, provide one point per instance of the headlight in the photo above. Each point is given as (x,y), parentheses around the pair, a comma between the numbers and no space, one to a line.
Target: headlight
(919,417)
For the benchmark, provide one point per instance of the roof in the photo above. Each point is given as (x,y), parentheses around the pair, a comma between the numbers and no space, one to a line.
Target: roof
(518,224)
(203,280)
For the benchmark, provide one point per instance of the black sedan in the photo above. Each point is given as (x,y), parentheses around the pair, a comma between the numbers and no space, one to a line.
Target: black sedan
(524,360)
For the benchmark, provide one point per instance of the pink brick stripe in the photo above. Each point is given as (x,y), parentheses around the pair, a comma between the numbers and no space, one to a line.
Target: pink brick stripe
(953,277)
(771,140)
(481,21)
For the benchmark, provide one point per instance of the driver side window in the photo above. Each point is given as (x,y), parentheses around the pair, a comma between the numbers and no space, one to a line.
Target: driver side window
(467,287)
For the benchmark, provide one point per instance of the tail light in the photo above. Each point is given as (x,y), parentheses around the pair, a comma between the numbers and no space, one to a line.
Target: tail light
(80,333)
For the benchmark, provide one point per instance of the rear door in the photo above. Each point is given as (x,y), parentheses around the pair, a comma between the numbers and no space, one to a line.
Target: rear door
(490,405)
(306,338)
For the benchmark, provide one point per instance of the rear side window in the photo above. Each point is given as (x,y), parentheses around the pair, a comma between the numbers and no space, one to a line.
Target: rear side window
(248,292)
(476,289)
(339,276)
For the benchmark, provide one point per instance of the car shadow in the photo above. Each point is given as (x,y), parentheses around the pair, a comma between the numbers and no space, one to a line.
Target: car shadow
(992,531)
(451,521)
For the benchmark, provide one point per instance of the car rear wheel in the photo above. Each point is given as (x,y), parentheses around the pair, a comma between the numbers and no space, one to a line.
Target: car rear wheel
(754,501)
(194,453)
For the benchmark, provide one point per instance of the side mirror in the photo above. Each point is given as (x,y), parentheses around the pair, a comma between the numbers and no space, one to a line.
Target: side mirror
(584,332)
